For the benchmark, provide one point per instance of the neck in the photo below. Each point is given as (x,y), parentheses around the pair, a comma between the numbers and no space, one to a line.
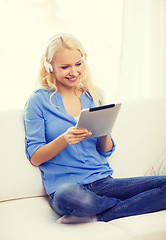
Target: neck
(70,92)
(67,92)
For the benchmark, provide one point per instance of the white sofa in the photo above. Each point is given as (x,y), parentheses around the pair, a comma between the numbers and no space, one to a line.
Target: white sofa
(140,136)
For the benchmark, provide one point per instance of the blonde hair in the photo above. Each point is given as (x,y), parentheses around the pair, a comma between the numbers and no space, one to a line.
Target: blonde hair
(48,80)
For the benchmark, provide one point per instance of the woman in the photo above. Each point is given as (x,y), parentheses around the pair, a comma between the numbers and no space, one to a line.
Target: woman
(74,168)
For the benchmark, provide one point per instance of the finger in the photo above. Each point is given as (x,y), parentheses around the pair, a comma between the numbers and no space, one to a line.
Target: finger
(76,140)
(79,136)
(77,131)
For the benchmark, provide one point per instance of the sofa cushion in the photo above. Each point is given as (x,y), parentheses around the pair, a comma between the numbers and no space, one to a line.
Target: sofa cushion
(33,218)
(144,227)
(18,177)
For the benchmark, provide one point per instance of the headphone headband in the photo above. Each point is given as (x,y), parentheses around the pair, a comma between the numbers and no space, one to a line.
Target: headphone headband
(47,64)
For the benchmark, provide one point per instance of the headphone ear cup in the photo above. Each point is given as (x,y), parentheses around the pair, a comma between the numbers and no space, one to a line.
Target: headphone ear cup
(48,66)
(83,59)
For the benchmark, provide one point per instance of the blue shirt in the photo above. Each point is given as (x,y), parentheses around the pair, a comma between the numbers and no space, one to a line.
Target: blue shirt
(83,162)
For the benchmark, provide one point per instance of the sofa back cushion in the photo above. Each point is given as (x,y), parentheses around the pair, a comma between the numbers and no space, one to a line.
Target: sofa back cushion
(140,136)
(139,133)
(18,178)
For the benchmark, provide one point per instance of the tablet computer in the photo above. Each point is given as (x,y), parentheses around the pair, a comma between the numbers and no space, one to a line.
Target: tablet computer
(99,120)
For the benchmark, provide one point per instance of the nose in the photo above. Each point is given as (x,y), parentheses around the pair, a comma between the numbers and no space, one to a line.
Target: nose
(73,71)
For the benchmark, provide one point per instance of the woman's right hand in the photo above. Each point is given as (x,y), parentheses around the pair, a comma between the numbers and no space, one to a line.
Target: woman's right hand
(74,135)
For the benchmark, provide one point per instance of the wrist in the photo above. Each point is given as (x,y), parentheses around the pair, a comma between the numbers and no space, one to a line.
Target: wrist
(65,138)
(104,137)
(105,143)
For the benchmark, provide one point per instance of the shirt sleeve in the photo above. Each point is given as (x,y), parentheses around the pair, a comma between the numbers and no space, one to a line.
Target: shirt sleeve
(106,154)
(34,126)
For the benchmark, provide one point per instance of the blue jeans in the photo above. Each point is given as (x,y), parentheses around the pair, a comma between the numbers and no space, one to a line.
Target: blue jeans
(111,198)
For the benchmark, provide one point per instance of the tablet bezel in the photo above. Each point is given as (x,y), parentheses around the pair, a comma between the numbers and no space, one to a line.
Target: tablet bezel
(91,118)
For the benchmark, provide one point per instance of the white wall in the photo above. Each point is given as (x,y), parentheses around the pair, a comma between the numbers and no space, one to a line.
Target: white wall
(124,39)
(26,25)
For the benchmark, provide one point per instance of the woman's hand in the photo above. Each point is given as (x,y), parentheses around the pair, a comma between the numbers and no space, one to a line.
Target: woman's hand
(74,135)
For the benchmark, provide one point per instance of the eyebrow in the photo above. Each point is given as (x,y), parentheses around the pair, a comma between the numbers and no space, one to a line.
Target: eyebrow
(64,64)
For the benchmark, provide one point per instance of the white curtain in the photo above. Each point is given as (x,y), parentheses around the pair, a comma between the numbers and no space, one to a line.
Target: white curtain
(143,56)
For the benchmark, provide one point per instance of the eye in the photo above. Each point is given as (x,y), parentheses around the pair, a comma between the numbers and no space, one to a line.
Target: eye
(64,67)
(78,64)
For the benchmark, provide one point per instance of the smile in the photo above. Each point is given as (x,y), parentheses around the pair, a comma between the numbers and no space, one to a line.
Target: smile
(72,79)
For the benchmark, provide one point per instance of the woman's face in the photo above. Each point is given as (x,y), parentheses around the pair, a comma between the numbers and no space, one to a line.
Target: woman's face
(68,66)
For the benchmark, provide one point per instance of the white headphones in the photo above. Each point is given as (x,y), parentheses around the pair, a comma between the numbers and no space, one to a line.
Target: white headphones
(48,66)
